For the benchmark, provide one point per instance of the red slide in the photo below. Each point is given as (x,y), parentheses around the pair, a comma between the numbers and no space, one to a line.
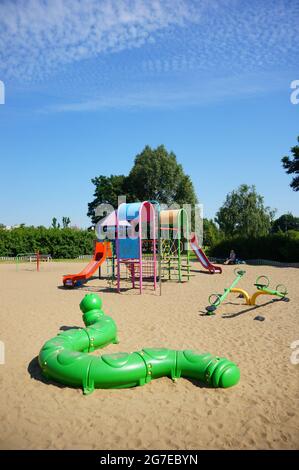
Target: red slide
(201,256)
(101,252)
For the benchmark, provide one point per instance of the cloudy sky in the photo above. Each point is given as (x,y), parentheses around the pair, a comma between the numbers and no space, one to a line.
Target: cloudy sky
(89,83)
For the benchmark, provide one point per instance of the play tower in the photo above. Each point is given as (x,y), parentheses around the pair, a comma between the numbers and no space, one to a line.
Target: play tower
(141,243)
(136,244)
(174,244)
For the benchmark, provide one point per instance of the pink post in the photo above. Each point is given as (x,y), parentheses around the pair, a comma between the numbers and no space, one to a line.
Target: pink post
(133,274)
(117,251)
(154,248)
(140,248)
(37,260)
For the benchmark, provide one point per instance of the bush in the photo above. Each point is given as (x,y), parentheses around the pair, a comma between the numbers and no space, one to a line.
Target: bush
(277,247)
(59,243)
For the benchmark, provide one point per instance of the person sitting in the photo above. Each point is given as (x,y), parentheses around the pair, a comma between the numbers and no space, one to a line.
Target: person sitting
(231,259)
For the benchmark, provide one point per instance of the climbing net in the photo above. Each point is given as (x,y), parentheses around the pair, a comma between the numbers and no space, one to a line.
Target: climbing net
(170,248)
(111,277)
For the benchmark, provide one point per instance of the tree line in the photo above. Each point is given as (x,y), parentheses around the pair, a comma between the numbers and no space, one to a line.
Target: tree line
(242,221)
(59,243)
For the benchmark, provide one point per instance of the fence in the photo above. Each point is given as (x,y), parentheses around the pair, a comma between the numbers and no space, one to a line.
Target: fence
(267,262)
(260,262)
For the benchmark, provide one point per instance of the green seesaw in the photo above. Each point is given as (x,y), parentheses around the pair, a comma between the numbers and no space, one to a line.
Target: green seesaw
(216,299)
(262,285)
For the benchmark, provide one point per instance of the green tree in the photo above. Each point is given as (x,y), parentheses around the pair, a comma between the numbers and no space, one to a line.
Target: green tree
(66,243)
(107,190)
(66,222)
(275,246)
(211,233)
(285,222)
(156,175)
(243,213)
(54,222)
(291,165)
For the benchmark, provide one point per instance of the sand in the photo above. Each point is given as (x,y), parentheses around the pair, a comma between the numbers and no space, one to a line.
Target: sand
(261,412)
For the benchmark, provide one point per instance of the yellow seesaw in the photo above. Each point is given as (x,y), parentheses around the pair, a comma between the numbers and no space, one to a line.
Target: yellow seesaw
(262,285)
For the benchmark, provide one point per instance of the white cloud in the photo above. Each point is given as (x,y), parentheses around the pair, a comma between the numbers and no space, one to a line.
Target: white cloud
(93,54)
(39,36)
(194,92)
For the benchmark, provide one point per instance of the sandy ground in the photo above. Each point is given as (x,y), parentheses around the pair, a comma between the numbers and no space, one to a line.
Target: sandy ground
(261,412)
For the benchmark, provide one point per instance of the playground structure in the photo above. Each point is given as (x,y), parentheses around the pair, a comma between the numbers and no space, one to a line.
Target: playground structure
(33,258)
(65,358)
(102,250)
(131,231)
(174,245)
(146,245)
(128,243)
(201,256)
(262,285)
(136,244)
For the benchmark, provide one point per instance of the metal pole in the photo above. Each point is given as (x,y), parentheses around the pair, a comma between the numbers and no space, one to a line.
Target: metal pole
(154,247)
(179,245)
(37,260)
(117,250)
(140,247)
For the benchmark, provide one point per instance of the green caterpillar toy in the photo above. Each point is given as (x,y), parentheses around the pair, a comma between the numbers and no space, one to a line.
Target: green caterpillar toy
(65,358)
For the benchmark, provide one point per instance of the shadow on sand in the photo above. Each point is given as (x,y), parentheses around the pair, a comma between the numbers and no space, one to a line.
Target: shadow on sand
(233,315)
(35,373)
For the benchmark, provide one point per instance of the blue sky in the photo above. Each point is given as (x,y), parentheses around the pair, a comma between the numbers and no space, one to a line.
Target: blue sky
(89,83)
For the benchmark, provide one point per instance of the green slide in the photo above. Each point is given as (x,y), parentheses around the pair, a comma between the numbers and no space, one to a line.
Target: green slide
(65,358)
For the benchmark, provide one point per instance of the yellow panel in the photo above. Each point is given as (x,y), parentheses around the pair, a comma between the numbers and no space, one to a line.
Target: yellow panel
(245,294)
(169,217)
(256,295)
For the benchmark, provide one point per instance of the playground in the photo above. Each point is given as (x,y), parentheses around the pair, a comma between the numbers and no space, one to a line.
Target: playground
(260,412)
(149,230)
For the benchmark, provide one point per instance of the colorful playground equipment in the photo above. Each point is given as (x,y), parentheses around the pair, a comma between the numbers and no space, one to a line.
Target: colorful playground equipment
(136,244)
(143,244)
(174,244)
(140,253)
(102,250)
(262,285)
(201,256)
(65,358)
(132,232)
(216,300)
